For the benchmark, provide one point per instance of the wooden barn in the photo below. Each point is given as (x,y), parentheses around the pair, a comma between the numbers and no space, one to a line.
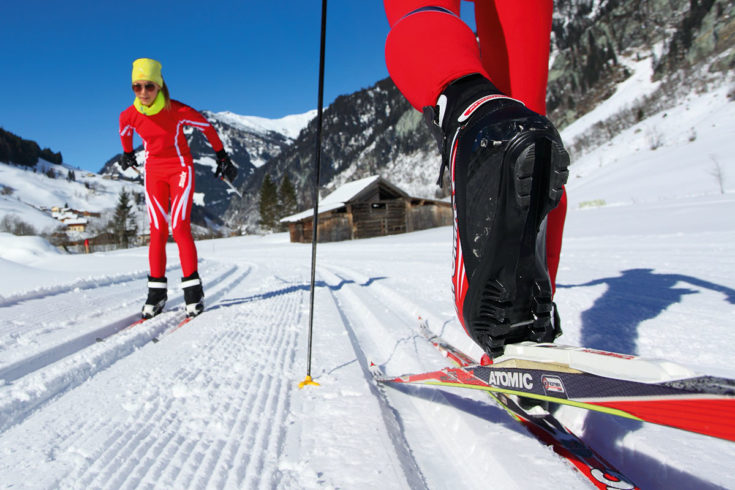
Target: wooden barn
(367,208)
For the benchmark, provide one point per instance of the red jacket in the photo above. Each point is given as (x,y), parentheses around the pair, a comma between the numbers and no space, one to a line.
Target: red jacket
(163,133)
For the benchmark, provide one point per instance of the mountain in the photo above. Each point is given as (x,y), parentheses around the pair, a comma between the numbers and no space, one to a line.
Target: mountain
(373,131)
(596,47)
(20,151)
(591,37)
(46,198)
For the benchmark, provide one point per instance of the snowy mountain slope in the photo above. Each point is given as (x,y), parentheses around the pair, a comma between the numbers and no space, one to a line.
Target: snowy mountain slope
(373,131)
(30,195)
(289,126)
(693,137)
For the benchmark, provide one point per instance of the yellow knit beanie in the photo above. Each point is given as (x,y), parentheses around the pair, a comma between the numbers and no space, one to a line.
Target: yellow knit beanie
(147,69)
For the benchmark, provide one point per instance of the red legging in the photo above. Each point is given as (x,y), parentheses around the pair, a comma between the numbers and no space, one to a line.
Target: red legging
(169,192)
(429,46)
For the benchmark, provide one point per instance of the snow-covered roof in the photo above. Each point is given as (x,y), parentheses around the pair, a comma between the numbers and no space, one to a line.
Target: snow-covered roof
(75,221)
(341,196)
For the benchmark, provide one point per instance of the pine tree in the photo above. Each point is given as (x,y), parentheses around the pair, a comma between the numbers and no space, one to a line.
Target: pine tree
(288,204)
(268,204)
(123,225)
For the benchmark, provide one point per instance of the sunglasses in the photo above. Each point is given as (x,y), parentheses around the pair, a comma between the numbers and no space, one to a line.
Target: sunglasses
(138,87)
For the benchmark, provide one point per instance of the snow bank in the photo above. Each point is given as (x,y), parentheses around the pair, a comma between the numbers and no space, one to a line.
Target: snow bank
(24,249)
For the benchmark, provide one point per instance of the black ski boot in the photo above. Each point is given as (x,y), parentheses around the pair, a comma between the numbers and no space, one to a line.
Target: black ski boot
(157,296)
(508,166)
(193,294)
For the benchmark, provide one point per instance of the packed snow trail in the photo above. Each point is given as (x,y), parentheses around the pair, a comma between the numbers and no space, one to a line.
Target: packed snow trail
(383,323)
(175,414)
(215,404)
(43,321)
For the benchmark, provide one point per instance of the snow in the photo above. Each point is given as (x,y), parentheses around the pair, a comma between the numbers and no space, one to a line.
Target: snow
(647,269)
(31,195)
(627,93)
(290,126)
(24,249)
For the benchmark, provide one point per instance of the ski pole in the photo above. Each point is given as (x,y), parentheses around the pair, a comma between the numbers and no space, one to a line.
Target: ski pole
(230,184)
(120,171)
(315,193)
(232,187)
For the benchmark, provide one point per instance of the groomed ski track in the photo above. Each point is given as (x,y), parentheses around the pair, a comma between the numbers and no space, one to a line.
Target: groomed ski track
(216,403)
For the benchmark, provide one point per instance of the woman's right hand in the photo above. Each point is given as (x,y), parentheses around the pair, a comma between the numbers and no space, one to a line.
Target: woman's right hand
(128,160)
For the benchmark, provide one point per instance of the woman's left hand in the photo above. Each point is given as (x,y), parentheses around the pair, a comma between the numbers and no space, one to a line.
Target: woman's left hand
(225,168)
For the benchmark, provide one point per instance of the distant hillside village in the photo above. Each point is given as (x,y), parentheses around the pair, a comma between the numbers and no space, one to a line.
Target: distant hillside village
(74,220)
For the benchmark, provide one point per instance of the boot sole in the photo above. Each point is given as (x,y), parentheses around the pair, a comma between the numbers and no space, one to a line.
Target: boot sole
(509,297)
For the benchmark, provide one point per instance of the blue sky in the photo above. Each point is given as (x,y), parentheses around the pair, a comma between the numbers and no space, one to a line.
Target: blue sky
(66,65)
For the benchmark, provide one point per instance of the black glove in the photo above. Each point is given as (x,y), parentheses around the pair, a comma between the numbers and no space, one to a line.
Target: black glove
(128,160)
(225,168)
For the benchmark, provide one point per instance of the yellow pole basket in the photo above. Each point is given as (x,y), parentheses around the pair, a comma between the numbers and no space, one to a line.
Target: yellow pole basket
(308,381)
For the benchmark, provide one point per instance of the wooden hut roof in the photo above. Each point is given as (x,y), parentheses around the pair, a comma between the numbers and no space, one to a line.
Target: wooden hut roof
(350,192)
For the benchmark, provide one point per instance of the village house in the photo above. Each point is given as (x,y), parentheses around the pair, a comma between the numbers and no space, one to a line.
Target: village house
(365,208)
(72,218)
(76,224)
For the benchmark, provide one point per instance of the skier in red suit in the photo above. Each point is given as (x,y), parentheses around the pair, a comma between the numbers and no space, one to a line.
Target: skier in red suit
(485,102)
(169,178)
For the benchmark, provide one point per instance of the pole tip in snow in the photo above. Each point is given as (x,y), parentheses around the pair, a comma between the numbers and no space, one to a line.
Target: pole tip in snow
(308,381)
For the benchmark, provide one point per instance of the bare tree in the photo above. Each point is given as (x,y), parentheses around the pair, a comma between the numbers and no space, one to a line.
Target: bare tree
(718,174)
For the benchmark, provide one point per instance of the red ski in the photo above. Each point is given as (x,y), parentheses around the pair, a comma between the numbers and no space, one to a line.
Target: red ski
(648,390)
(173,329)
(542,425)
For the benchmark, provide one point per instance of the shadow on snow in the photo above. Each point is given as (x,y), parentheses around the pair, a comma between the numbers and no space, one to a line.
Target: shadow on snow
(633,297)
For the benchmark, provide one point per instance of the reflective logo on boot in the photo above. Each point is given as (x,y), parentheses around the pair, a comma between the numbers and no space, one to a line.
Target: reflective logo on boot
(476,105)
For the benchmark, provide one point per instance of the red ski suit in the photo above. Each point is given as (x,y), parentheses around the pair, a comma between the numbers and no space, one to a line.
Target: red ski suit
(429,46)
(169,177)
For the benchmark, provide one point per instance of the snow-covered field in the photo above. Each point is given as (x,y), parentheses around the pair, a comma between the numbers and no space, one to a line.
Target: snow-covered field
(648,268)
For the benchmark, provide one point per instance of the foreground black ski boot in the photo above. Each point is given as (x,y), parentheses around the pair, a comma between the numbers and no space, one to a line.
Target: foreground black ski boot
(508,166)
(193,294)
(157,296)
